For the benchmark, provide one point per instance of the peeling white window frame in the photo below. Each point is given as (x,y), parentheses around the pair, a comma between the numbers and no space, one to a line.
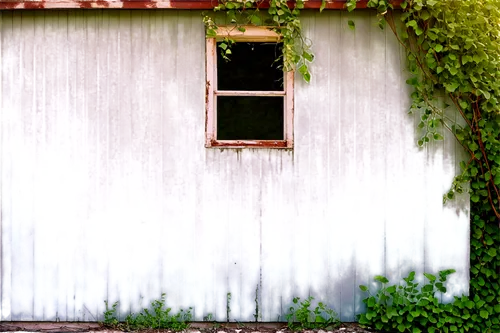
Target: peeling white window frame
(251,34)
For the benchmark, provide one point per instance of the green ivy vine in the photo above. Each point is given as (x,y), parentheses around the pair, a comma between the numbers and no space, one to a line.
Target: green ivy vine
(281,18)
(453,52)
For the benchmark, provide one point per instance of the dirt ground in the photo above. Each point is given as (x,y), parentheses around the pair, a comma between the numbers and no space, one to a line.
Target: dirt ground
(195,328)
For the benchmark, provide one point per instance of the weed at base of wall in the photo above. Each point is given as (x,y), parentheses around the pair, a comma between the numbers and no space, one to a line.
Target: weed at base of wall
(158,317)
(301,317)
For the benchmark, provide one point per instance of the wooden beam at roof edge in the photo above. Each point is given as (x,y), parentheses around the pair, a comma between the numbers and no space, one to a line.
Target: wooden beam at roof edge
(160,4)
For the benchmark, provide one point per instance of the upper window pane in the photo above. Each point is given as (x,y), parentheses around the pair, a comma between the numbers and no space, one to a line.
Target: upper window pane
(252,66)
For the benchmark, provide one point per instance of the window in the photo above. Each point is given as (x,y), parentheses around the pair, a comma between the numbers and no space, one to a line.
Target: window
(249,99)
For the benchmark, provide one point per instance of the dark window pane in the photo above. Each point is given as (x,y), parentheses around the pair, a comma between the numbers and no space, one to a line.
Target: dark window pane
(249,118)
(252,66)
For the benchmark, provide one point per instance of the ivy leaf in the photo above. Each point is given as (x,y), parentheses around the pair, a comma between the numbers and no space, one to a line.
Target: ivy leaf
(351,5)
(351,24)
(486,94)
(438,48)
(497,179)
(424,15)
(255,20)
(484,314)
(323,5)
(451,87)
(211,33)
(308,56)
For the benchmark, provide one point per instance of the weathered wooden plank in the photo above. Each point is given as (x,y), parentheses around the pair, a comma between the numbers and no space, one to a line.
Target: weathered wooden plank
(6,167)
(77,42)
(399,166)
(371,242)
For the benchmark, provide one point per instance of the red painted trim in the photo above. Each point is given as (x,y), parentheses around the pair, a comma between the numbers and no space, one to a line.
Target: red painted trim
(141,4)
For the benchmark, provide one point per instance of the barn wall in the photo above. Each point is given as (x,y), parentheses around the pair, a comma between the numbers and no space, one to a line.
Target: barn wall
(107,191)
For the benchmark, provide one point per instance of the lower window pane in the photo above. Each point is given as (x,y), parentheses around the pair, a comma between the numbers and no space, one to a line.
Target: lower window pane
(250,118)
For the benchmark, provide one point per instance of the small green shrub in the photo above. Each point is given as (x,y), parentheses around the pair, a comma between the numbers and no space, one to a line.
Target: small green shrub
(301,317)
(408,308)
(157,317)
(110,319)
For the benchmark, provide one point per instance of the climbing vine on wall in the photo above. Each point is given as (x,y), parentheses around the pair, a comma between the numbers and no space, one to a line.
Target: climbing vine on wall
(453,51)
(281,17)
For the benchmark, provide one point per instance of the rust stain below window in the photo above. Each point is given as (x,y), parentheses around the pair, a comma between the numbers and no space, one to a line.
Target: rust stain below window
(248,143)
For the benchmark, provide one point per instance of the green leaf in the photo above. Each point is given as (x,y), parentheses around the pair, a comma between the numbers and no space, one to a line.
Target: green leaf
(351,5)
(363,288)
(381,279)
(323,5)
(451,87)
(351,24)
(438,48)
(424,15)
(211,33)
(307,77)
(255,19)
(486,94)
(430,277)
(484,314)
(412,24)
(308,56)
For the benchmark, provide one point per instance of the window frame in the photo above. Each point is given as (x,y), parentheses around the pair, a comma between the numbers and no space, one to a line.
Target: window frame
(251,34)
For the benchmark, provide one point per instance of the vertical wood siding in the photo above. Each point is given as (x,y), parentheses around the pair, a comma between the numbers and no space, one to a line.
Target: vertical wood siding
(107,191)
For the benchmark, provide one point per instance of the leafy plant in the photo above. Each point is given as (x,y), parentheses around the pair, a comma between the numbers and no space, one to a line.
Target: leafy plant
(301,317)
(409,308)
(453,52)
(228,306)
(157,317)
(282,18)
(110,318)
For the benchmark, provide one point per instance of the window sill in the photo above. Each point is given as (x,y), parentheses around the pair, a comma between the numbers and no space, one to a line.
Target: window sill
(249,144)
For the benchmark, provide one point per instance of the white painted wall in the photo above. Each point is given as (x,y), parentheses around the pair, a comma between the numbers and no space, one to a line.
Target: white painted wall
(107,191)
